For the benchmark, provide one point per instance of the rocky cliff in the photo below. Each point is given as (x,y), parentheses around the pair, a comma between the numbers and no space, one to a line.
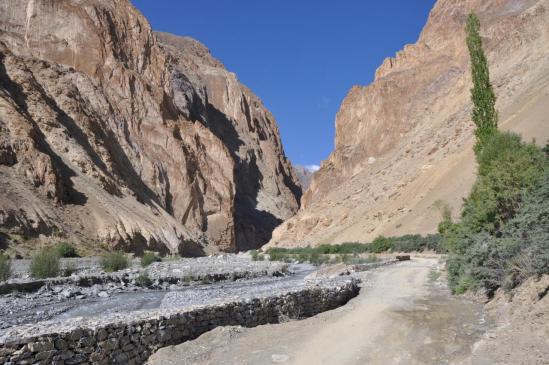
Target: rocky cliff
(110,133)
(305,175)
(405,141)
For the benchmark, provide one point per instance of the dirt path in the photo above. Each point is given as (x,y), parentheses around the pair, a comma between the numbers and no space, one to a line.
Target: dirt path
(401,317)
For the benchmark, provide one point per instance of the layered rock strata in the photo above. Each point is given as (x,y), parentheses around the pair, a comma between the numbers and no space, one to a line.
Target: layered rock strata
(110,133)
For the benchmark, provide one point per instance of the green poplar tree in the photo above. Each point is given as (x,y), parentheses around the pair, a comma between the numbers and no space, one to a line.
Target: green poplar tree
(484,112)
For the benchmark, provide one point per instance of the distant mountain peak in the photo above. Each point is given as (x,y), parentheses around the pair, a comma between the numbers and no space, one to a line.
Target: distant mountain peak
(305,174)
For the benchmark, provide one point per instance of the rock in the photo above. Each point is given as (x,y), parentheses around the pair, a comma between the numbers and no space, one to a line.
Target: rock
(103,294)
(305,175)
(279,358)
(140,140)
(412,126)
(40,346)
(70,292)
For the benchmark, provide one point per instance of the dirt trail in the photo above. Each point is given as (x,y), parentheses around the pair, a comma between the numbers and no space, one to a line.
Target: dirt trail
(402,316)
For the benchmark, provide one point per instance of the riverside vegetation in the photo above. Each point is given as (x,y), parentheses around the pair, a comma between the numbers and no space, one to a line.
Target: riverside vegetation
(349,252)
(5,267)
(45,264)
(502,236)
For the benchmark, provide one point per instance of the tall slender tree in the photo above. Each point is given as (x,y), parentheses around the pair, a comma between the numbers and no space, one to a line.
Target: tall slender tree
(484,112)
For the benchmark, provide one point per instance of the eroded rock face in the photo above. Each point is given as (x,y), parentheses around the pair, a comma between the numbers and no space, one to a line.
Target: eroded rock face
(305,174)
(107,133)
(405,141)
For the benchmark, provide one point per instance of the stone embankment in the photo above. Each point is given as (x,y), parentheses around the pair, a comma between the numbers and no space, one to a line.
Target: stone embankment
(25,300)
(131,337)
(333,271)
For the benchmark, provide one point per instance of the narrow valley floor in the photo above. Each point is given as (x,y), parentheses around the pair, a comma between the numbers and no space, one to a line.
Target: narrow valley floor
(403,315)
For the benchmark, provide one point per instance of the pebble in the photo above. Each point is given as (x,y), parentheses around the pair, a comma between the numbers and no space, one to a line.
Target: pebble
(278,358)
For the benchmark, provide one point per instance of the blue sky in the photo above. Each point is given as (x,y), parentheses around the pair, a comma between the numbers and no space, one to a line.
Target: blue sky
(300,57)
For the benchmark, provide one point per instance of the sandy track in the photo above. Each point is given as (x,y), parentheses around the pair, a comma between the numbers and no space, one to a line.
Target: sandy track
(400,317)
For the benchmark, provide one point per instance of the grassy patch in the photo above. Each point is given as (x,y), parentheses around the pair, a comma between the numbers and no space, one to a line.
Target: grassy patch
(148,258)
(45,264)
(114,261)
(5,267)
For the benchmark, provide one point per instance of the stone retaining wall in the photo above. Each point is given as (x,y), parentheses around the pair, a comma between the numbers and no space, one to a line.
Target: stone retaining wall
(131,341)
(372,265)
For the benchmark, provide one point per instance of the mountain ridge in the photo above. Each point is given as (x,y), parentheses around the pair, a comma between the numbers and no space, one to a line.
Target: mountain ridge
(405,141)
(111,135)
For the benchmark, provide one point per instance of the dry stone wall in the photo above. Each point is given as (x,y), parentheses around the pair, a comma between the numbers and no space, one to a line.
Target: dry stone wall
(130,338)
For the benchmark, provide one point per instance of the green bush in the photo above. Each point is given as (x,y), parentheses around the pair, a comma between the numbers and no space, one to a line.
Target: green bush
(114,261)
(407,243)
(5,267)
(508,170)
(65,249)
(381,244)
(503,236)
(416,243)
(446,214)
(148,258)
(45,264)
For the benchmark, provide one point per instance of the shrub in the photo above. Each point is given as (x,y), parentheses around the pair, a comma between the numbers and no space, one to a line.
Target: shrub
(65,249)
(465,283)
(505,249)
(254,255)
(446,215)
(114,261)
(508,170)
(5,267)
(318,259)
(148,258)
(143,280)
(503,235)
(407,243)
(380,244)
(45,264)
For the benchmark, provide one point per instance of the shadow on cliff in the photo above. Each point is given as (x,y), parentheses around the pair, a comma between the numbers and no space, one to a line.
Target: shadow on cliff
(64,172)
(126,171)
(253,227)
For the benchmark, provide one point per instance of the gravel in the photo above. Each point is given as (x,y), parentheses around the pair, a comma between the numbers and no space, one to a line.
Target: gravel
(173,283)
